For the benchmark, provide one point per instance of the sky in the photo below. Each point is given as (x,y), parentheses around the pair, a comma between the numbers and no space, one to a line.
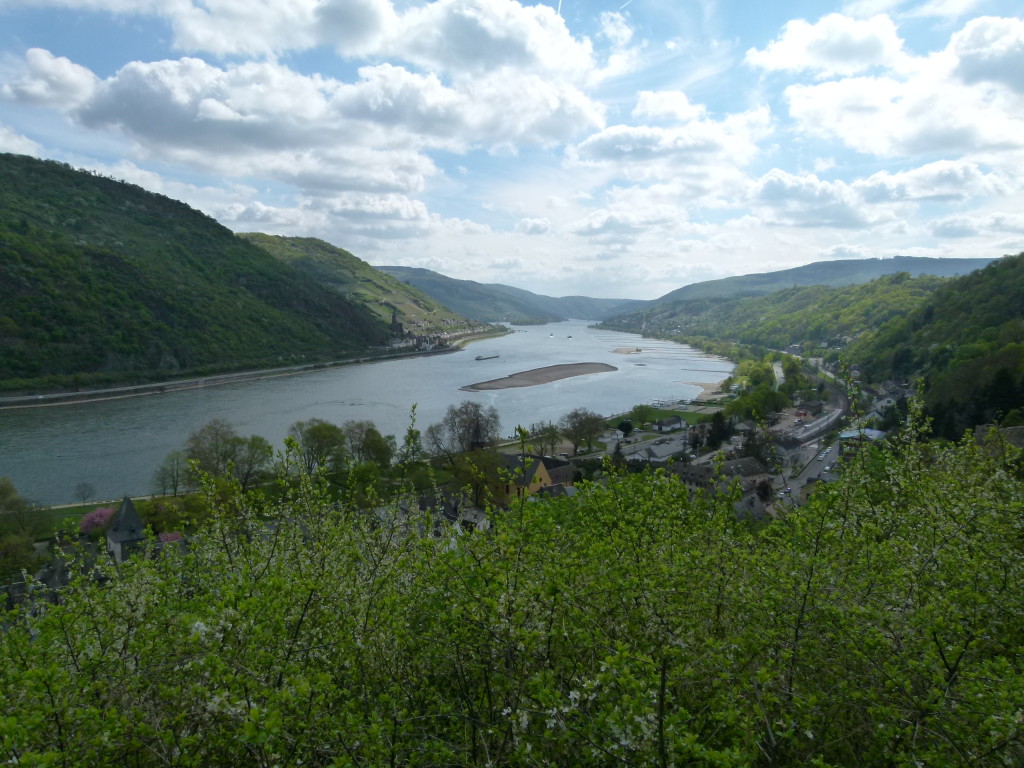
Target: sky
(608,149)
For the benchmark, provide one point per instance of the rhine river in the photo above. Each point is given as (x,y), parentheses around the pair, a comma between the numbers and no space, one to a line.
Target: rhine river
(115,445)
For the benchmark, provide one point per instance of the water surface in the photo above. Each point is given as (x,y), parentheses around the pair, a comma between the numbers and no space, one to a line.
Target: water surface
(117,444)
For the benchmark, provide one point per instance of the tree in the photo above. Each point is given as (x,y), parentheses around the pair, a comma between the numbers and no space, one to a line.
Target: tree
(355,438)
(321,445)
(411,453)
(642,414)
(172,476)
(465,427)
(378,448)
(252,458)
(632,624)
(581,425)
(718,432)
(365,443)
(213,447)
(95,521)
(20,525)
(544,437)
(85,491)
(625,427)
(764,490)
(221,452)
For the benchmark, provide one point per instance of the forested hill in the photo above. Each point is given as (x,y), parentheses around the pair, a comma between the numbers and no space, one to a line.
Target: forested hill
(967,340)
(813,316)
(361,283)
(493,302)
(102,281)
(834,273)
(964,336)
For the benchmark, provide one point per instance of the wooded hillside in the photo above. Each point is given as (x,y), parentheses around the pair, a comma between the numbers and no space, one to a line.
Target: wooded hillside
(359,282)
(103,281)
(966,339)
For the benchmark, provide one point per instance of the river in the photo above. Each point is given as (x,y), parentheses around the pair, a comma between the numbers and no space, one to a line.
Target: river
(115,445)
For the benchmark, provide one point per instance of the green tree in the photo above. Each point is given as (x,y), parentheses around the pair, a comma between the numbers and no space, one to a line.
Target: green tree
(20,525)
(642,413)
(321,445)
(581,425)
(219,451)
(631,624)
(378,448)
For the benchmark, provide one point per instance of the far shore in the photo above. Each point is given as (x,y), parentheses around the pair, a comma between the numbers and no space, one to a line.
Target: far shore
(537,376)
(216,379)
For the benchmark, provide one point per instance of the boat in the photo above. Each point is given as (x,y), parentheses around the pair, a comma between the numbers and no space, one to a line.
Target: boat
(486,357)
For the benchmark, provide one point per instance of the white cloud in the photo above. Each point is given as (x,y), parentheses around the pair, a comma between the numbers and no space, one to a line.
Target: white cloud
(355,27)
(955,102)
(667,104)
(253,27)
(464,38)
(533,226)
(807,201)
(15,143)
(955,226)
(43,79)
(886,117)
(991,49)
(616,29)
(953,180)
(656,152)
(961,226)
(944,9)
(835,45)
(846,252)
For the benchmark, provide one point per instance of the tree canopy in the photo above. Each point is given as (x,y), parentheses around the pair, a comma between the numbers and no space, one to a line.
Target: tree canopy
(633,624)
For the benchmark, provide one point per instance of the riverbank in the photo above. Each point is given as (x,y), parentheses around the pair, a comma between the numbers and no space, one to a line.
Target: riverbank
(537,376)
(163,387)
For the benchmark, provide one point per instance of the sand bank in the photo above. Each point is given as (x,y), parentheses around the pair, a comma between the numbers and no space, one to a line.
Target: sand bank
(708,391)
(540,376)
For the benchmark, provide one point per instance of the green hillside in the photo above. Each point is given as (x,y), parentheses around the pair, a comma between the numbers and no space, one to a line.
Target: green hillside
(966,339)
(493,302)
(102,281)
(359,282)
(812,316)
(830,273)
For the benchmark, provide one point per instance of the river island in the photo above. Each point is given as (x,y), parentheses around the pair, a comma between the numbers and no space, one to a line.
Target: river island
(537,376)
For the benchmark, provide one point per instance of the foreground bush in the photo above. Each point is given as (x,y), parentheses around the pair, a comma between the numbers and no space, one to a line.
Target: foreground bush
(881,624)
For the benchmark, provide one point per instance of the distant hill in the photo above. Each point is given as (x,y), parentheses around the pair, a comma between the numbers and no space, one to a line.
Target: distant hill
(493,302)
(831,273)
(676,307)
(963,336)
(814,316)
(359,282)
(102,281)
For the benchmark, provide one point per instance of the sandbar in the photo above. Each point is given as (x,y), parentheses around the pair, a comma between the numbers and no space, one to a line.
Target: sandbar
(537,376)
